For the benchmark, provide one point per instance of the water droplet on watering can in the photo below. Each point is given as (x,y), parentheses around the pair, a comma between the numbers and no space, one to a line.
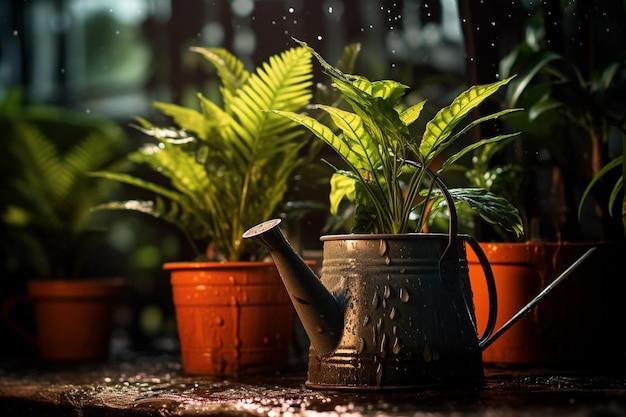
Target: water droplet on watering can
(404,295)
(379,325)
(218,321)
(396,348)
(383,343)
(395,329)
(375,300)
(379,373)
(387,291)
(360,345)
(393,313)
(382,247)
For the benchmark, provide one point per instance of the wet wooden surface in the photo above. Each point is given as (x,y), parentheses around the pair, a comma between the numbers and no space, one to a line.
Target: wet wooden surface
(156,386)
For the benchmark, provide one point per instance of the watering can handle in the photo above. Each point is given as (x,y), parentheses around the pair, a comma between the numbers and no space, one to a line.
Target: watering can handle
(491,290)
(449,263)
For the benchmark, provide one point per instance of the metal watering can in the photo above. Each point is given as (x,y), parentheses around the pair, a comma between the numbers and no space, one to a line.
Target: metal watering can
(390,311)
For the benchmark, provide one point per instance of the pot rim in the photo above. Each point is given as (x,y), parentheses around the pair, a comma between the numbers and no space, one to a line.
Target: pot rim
(215,264)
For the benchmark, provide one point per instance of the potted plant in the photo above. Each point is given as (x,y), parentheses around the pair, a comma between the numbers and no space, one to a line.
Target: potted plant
(223,169)
(573,121)
(372,326)
(48,230)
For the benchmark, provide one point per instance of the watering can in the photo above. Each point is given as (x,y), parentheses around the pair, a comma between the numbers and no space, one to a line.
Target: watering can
(390,311)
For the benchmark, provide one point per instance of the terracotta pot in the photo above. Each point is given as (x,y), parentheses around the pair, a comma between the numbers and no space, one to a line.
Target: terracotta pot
(574,325)
(233,317)
(73,318)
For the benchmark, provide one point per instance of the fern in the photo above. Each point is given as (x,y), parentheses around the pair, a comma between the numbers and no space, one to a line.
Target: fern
(49,194)
(227,167)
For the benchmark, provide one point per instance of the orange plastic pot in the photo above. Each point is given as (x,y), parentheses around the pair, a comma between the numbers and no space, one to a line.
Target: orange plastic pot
(73,318)
(571,326)
(233,317)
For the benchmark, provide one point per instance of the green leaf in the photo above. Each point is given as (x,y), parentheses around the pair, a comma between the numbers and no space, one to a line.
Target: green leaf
(229,68)
(341,186)
(492,208)
(439,129)
(615,163)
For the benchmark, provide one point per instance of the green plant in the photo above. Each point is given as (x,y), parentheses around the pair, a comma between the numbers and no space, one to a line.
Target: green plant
(387,164)
(574,118)
(489,171)
(225,168)
(47,193)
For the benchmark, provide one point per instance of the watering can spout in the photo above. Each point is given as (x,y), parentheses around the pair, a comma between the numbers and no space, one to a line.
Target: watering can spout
(316,307)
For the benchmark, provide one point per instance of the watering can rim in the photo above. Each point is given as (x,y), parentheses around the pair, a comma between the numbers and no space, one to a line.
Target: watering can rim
(389,236)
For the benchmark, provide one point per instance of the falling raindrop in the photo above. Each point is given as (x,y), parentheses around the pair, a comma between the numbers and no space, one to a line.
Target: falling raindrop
(366,320)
